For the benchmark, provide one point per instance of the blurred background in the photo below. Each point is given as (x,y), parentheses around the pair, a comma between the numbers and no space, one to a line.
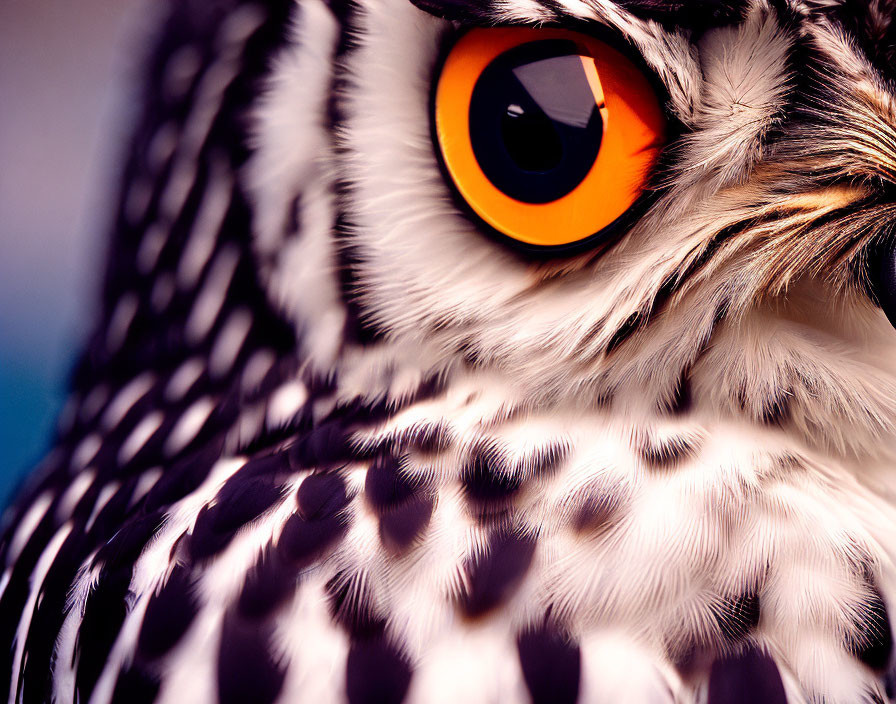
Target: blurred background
(66,71)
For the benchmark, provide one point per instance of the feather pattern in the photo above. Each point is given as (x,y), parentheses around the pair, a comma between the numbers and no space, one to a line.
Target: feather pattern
(329,443)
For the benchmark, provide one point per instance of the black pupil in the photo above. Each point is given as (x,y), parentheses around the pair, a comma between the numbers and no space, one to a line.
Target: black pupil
(535,124)
(530,139)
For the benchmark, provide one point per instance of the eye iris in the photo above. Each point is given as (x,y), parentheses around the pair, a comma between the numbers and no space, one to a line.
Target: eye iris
(549,136)
(535,120)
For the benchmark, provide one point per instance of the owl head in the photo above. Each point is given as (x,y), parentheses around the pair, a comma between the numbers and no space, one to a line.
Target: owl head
(659,207)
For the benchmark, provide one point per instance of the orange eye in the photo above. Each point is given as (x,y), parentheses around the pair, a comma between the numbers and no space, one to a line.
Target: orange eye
(549,135)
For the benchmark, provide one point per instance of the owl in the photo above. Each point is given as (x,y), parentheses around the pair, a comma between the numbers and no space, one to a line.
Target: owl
(483,351)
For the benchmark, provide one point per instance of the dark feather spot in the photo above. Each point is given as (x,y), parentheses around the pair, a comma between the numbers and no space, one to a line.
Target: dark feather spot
(746,678)
(277,436)
(268,584)
(388,484)
(494,574)
(275,466)
(665,452)
(351,606)
(182,477)
(169,614)
(301,542)
(328,444)
(402,525)
(84,508)
(772,408)
(238,502)
(625,331)
(775,410)
(293,227)
(551,664)
(430,438)
(738,617)
(135,685)
(125,546)
(104,613)
(693,651)
(594,510)
(150,453)
(469,352)
(873,642)
(543,461)
(376,672)
(113,513)
(360,411)
(205,541)
(247,669)
(680,401)
(486,476)
(243,499)
(431,387)
(321,496)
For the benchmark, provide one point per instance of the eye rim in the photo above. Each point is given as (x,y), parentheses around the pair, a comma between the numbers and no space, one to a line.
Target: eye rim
(654,184)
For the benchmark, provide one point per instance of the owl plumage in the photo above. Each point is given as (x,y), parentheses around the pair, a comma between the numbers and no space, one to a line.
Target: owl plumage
(331,441)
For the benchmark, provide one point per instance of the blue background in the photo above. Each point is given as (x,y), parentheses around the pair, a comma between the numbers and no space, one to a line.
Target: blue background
(65,73)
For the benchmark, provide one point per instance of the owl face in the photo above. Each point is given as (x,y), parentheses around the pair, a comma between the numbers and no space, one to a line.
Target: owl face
(740,278)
